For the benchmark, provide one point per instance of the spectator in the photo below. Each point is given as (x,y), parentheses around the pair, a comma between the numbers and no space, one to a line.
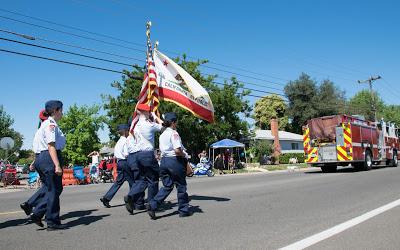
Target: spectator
(203,157)
(219,163)
(95,157)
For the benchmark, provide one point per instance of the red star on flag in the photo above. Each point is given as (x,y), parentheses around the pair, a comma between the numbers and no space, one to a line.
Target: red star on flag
(165,63)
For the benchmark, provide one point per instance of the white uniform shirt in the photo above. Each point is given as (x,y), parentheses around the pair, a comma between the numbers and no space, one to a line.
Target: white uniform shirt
(50,132)
(131,144)
(144,134)
(36,141)
(169,141)
(120,149)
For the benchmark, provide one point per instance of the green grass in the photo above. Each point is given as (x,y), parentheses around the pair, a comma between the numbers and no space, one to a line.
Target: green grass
(239,171)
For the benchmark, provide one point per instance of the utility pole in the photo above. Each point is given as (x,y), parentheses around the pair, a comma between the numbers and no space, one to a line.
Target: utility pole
(370,81)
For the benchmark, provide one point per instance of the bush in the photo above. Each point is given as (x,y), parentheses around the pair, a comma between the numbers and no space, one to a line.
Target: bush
(284,158)
(25,161)
(262,147)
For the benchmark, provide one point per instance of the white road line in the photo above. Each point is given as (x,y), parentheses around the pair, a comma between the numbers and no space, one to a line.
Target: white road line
(340,228)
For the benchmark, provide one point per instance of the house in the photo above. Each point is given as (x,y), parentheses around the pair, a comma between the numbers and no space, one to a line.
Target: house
(290,142)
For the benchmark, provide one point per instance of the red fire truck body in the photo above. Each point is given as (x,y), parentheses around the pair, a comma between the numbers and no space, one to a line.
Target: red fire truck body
(342,140)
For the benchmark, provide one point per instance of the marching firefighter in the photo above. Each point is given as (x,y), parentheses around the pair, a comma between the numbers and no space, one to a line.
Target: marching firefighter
(144,161)
(124,173)
(172,169)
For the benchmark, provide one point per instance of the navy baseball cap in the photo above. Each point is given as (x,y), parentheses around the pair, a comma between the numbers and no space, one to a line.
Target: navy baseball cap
(170,117)
(122,127)
(53,105)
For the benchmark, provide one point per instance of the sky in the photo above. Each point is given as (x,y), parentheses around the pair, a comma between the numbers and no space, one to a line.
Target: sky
(266,43)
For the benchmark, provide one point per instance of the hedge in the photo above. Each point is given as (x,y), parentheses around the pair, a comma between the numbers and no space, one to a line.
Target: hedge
(284,158)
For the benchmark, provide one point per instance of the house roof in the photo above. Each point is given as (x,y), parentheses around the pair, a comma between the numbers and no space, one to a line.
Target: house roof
(283,135)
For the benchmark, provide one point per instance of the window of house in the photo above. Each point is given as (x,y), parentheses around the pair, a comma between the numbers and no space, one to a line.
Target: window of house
(295,146)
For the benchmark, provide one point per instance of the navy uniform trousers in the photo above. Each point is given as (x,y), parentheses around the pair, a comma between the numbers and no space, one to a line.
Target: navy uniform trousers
(132,158)
(148,176)
(49,204)
(124,174)
(172,171)
(34,199)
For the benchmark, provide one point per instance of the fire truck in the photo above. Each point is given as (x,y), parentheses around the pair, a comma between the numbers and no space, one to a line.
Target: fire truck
(342,140)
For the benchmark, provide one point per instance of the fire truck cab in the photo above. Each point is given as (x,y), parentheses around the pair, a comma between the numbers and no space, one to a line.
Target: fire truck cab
(341,140)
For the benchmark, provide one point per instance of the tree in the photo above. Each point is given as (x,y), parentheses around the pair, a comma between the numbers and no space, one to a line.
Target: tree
(25,156)
(80,126)
(261,148)
(360,104)
(301,95)
(391,113)
(230,108)
(268,107)
(6,130)
(308,100)
(330,98)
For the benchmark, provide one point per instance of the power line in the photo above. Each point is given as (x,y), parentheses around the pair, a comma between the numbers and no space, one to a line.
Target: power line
(96,58)
(66,52)
(30,37)
(63,61)
(121,40)
(71,27)
(72,34)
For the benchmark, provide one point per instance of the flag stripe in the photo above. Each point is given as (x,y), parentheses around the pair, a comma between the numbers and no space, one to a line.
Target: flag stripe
(187,104)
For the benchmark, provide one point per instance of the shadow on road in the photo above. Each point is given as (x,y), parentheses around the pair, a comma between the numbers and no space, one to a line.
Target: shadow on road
(344,170)
(341,170)
(74,214)
(207,198)
(14,223)
(84,217)
(193,209)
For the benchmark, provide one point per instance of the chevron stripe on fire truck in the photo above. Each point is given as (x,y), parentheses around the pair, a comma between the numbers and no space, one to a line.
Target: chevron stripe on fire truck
(345,153)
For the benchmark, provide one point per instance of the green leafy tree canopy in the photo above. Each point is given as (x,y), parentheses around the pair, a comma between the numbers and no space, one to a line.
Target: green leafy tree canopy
(268,107)
(360,104)
(308,100)
(80,126)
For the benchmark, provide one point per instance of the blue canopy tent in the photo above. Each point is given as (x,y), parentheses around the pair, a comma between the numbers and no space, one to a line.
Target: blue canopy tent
(227,143)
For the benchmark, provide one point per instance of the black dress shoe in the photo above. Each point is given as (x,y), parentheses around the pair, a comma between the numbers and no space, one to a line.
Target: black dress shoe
(151,212)
(105,202)
(27,209)
(37,220)
(185,214)
(128,204)
(54,227)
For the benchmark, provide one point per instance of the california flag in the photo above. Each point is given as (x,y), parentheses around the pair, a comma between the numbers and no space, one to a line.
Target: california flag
(177,86)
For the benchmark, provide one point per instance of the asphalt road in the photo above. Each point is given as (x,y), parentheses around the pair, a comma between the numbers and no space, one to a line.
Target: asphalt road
(250,211)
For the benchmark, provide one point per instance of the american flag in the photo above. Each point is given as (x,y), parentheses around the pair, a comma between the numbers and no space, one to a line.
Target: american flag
(149,91)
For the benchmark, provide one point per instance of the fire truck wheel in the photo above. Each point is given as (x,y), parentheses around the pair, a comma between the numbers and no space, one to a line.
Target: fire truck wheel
(329,168)
(367,161)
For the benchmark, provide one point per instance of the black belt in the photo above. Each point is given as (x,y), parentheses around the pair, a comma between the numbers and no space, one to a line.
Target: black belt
(118,160)
(58,151)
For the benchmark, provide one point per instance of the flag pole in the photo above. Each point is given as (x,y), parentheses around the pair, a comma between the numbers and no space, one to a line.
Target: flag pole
(148,55)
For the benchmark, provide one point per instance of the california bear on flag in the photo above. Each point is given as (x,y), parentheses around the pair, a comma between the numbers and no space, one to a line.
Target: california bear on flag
(177,86)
